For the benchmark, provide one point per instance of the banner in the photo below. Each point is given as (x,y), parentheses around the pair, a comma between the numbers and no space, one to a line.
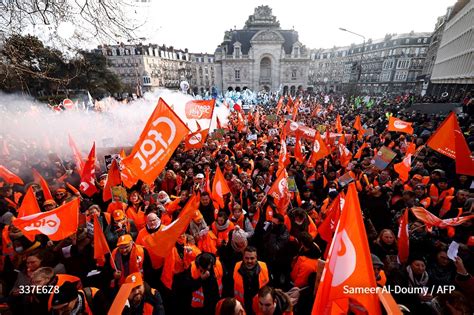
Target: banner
(199,109)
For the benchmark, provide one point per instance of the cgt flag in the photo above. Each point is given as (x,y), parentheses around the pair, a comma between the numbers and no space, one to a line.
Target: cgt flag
(195,140)
(162,134)
(57,224)
(29,205)
(398,125)
(280,192)
(87,185)
(219,188)
(349,265)
(200,109)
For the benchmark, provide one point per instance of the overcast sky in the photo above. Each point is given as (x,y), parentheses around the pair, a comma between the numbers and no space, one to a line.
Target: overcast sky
(199,25)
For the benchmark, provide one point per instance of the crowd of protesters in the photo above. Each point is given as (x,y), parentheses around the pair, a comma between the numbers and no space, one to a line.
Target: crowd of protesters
(247,257)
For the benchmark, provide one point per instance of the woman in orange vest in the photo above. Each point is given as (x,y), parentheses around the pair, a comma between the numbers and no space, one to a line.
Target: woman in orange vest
(221,228)
(136,209)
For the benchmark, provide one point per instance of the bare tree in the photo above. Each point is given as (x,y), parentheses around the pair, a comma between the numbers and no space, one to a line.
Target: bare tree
(99,20)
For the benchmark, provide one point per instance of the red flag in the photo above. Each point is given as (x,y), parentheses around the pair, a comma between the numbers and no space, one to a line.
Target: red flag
(57,224)
(198,126)
(159,139)
(44,185)
(298,152)
(398,125)
(76,155)
(87,185)
(195,140)
(279,191)
(101,248)
(161,242)
(219,188)
(464,160)
(29,205)
(328,226)
(9,177)
(403,239)
(338,123)
(200,109)
(320,149)
(403,168)
(349,265)
(113,179)
(442,141)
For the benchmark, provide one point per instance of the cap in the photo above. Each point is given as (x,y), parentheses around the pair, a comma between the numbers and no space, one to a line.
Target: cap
(201,176)
(66,293)
(124,240)
(135,278)
(49,202)
(118,215)
(376,261)
(62,190)
(418,177)
(197,216)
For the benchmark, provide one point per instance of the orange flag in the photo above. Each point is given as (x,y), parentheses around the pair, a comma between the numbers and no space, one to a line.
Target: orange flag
(403,168)
(279,105)
(328,226)
(219,188)
(338,123)
(77,155)
(398,125)
(113,179)
(87,185)
(345,156)
(403,239)
(320,149)
(160,137)
(283,157)
(411,148)
(101,248)
(295,109)
(442,141)
(195,140)
(29,205)
(44,185)
(121,298)
(359,152)
(279,191)
(349,265)
(199,109)
(126,175)
(160,243)
(9,177)
(57,224)
(298,152)
(358,123)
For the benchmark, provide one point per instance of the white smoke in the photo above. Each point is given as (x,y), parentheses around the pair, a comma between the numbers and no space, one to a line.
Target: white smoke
(27,122)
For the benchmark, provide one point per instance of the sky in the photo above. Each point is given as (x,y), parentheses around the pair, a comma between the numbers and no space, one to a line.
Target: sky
(199,25)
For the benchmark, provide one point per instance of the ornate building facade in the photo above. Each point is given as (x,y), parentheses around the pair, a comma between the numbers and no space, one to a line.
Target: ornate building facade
(262,56)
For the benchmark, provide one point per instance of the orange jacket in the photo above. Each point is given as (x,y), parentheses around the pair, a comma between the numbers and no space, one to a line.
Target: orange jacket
(263,279)
(312,229)
(303,267)
(222,236)
(198,295)
(174,264)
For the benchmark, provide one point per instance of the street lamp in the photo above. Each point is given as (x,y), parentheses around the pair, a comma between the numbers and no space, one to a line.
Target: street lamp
(363,46)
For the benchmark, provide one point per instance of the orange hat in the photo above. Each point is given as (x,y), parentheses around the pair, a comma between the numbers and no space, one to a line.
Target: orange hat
(49,202)
(135,278)
(418,177)
(118,215)
(124,240)
(197,216)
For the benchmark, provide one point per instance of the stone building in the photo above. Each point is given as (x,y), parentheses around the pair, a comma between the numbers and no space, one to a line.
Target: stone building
(453,71)
(146,67)
(262,56)
(390,65)
(203,77)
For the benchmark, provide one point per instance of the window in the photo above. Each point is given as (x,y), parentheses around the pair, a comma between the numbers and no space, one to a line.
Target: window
(419,40)
(407,41)
(293,74)
(237,74)
(401,76)
(425,40)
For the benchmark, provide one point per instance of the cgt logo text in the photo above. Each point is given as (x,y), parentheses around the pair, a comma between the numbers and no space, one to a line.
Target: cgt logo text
(47,225)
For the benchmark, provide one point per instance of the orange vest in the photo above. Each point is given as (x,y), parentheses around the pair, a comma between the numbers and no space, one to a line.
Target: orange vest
(263,279)
(222,235)
(198,295)
(303,267)
(117,258)
(175,264)
(447,206)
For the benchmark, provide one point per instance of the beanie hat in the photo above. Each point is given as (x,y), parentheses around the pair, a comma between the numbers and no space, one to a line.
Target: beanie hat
(239,240)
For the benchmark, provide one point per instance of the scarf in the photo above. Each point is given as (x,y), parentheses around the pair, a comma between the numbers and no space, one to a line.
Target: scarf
(222,227)
(413,282)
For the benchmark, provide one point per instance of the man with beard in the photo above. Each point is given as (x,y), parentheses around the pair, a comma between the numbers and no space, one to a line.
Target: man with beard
(142,299)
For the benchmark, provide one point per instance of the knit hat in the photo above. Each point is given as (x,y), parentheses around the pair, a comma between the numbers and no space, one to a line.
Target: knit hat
(376,261)
(239,240)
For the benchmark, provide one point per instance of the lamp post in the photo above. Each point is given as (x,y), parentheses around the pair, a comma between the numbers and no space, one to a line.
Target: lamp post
(362,53)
